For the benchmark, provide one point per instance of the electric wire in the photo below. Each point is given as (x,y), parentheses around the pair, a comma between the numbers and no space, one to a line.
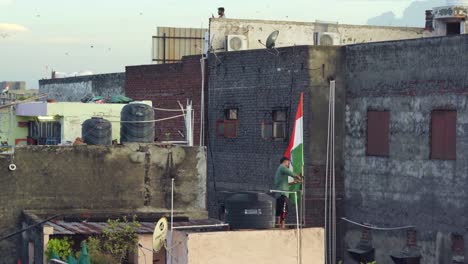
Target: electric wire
(376,227)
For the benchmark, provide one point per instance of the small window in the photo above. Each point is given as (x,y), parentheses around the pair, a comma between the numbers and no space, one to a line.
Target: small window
(443,134)
(279,124)
(458,245)
(226,128)
(230,128)
(230,114)
(279,116)
(267,130)
(279,130)
(453,28)
(378,123)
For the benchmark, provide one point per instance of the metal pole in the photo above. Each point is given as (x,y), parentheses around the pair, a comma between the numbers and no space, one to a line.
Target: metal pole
(172,219)
(188,124)
(326,182)
(164,48)
(202,103)
(297,230)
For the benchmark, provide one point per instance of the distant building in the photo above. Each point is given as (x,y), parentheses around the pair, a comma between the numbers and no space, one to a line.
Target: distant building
(14,91)
(17,95)
(447,20)
(42,123)
(73,89)
(13,85)
(171,44)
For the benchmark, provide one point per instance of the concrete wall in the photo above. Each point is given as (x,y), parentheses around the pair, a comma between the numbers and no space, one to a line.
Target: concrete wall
(131,177)
(73,89)
(409,79)
(301,33)
(165,85)
(263,246)
(256,82)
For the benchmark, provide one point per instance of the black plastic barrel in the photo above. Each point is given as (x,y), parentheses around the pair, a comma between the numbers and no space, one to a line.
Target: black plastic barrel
(137,123)
(97,131)
(250,210)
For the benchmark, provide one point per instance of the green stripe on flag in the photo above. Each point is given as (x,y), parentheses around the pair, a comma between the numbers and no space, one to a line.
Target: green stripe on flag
(297,159)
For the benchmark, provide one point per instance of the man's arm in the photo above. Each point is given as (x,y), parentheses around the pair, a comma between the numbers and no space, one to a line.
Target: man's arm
(290,173)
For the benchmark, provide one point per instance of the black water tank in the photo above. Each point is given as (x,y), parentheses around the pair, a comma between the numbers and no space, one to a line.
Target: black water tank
(142,132)
(97,131)
(250,210)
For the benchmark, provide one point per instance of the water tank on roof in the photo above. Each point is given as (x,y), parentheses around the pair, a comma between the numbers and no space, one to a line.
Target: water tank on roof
(97,131)
(136,123)
(250,210)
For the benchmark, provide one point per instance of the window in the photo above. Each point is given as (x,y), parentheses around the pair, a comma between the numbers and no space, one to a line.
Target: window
(453,28)
(279,124)
(227,128)
(276,128)
(443,134)
(230,114)
(378,123)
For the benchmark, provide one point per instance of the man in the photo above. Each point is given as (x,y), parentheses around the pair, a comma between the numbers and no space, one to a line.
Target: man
(221,12)
(282,184)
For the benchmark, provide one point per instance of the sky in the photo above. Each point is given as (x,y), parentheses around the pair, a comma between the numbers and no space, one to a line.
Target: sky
(102,36)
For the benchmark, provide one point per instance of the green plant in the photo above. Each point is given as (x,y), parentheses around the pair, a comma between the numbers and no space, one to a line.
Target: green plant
(61,246)
(93,244)
(120,237)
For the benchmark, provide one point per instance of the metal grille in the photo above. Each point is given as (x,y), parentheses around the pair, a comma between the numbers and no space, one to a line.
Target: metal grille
(171,44)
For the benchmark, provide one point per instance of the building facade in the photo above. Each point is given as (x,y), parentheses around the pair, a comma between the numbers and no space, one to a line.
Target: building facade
(405,146)
(253,97)
(74,89)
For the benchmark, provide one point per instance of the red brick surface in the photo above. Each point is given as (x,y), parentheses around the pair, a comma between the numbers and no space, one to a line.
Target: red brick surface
(164,85)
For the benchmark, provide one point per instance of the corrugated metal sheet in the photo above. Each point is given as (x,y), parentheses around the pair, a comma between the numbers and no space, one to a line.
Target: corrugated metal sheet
(92,228)
(444,135)
(378,123)
(171,44)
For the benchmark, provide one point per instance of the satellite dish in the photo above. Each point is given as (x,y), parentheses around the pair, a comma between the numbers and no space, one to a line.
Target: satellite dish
(159,234)
(271,40)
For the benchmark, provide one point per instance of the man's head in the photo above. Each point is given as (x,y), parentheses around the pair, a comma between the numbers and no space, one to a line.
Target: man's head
(285,161)
(221,11)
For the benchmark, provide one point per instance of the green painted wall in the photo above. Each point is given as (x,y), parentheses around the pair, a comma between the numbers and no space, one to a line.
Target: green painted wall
(9,130)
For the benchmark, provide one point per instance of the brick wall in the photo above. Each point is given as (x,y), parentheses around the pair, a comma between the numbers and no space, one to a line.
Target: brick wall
(256,82)
(165,84)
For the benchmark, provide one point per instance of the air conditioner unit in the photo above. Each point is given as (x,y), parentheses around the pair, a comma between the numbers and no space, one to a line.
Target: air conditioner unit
(236,42)
(328,39)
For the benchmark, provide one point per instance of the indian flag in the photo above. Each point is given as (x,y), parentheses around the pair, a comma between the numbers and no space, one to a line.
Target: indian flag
(295,151)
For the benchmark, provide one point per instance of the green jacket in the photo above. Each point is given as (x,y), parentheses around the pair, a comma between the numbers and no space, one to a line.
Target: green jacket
(281,180)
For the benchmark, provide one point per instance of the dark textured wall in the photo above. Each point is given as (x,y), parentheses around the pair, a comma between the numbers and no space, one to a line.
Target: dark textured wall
(73,89)
(257,82)
(99,178)
(165,85)
(409,79)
